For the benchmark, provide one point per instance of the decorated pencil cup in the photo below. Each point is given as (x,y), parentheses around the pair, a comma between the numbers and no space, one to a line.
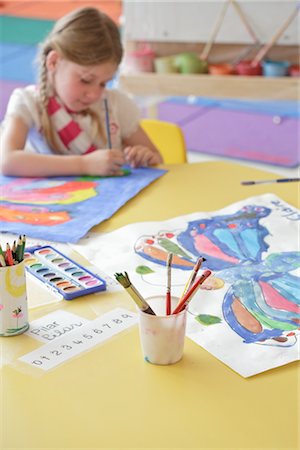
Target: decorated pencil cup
(13,300)
(162,336)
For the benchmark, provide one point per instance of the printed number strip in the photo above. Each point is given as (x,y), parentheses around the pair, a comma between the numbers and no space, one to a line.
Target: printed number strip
(78,341)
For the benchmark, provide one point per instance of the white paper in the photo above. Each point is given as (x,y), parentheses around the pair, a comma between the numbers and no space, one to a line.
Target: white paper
(80,340)
(55,325)
(282,229)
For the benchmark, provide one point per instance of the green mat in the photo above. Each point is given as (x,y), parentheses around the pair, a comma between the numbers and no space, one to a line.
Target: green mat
(20,30)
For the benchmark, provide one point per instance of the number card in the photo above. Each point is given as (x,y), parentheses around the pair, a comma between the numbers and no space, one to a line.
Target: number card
(93,333)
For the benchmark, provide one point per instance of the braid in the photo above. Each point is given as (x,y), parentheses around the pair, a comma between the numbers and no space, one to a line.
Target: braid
(43,94)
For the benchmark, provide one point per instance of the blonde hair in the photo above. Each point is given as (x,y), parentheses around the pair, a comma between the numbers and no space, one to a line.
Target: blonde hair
(86,36)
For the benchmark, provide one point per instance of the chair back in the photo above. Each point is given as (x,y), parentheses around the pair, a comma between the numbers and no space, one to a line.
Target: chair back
(168,138)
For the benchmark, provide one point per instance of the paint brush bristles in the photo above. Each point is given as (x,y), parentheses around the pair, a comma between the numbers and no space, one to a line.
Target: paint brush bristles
(168,294)
(134,294)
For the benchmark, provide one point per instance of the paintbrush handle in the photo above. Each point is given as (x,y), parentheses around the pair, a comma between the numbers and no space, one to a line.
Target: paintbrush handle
(215,31)
(244,20)
(188,296)
(276,36)
(279,180)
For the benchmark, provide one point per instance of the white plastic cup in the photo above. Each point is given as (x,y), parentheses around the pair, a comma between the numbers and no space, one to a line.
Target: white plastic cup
(162,336)
(13,300)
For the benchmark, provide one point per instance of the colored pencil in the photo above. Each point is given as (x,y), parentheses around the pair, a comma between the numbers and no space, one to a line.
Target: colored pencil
(191,292)
(2,257)
(107,123)
(168,294)
(134,294)
(14,249)
(23,246)
(9,256)
(278,180)
(19,250)
(2,261)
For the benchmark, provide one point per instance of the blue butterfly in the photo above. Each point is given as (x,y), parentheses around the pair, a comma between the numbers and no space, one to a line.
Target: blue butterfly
(262,304)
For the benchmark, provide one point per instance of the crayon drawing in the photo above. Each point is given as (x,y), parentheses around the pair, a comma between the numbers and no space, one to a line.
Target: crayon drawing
(63,209)
(248,313)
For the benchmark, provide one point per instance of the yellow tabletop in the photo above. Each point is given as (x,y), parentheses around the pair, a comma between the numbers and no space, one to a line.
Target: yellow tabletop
(110,398)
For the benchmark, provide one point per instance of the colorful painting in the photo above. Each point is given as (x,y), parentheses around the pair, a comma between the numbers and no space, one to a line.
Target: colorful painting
(248,313)
(63,209)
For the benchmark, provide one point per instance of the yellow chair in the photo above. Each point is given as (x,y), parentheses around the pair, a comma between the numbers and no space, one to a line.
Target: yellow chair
(168,138)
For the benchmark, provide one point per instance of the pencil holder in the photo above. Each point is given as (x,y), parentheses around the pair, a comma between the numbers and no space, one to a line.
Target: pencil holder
(162,336)
(13,300)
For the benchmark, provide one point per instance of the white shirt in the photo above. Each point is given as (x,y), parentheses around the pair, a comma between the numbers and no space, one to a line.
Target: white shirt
(124,116)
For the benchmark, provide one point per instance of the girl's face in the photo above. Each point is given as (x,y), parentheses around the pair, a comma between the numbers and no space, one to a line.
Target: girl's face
(78,87)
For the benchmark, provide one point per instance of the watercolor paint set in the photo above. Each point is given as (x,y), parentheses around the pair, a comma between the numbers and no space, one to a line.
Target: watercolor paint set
(61,273)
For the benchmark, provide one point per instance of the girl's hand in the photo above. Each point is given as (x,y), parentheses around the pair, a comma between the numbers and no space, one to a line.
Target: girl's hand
(140,155)
(103,163)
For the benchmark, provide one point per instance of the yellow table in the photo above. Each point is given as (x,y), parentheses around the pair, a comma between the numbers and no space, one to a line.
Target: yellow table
(109,398)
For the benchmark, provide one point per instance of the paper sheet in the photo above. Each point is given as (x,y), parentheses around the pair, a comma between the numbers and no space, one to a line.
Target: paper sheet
(80,340)
(247,314)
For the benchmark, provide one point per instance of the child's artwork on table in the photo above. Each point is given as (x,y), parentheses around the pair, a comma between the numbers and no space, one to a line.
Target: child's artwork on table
(248,313)
(63,209)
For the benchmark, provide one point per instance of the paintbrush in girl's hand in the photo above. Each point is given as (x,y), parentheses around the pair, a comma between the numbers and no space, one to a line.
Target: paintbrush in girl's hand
(107,125)
(134,294)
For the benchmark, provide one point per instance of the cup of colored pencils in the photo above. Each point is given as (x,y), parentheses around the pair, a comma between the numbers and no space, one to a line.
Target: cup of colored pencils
(13,298)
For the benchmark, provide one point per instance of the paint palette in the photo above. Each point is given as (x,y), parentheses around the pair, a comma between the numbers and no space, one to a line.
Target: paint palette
(60,273)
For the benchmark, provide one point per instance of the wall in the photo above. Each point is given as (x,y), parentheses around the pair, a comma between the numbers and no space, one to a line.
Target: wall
(186,21)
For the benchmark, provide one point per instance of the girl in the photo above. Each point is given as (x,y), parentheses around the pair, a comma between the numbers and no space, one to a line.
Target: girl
(58,128)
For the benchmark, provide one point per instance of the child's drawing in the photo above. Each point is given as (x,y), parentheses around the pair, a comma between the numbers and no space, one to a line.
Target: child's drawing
(63,209)
(248,313)
(262,302)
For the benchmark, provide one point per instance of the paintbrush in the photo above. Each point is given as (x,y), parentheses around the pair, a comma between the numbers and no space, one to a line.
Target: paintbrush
(134,294)
(168,293)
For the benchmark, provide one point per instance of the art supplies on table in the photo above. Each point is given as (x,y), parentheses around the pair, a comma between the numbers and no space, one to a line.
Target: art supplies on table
(245,276)
(13,297)
(277,180)
(61,273)
(134,294)
(142,304)
(162,318)
(162,336)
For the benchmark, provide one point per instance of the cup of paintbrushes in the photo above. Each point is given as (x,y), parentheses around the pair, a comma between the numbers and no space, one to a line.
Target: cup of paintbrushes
(162,336)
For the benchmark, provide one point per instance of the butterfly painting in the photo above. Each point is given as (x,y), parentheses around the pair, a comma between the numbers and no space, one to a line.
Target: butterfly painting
(247,313)
(262,302)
